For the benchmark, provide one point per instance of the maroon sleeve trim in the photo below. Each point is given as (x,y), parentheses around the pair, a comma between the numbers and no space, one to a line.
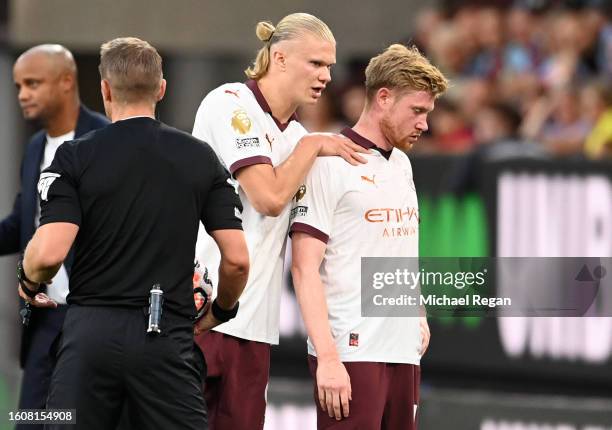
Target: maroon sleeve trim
(308,229)
(249,161)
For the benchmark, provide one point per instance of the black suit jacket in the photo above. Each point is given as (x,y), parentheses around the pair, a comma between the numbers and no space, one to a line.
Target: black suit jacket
(17,228)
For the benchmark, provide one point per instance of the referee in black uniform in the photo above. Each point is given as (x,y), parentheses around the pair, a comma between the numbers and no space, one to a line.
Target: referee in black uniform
(131,196)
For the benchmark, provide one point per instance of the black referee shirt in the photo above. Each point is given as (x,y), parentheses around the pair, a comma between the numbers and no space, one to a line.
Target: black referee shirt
(137,189)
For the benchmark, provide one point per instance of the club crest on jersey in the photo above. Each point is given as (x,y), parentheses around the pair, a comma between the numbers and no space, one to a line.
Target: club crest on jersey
(354,339)
(241,121)
(301,192)
(45,181)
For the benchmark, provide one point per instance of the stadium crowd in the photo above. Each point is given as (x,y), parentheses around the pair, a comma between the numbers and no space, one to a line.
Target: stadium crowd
(532,72)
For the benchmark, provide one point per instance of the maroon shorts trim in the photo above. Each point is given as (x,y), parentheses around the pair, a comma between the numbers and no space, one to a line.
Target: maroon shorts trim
(384,396)
(236,379)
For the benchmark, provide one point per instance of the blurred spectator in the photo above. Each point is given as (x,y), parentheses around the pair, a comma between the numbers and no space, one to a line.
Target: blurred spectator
(522,52)
(519,83)
(597,25)
(426,24)
(594,100)
(449,50)
(597,102)
(450,132)
(566,41)
(488,62)
(496,134)
(472,95)
(467,25)
(496,122)
(321,116)
(556,122)
(532,56)
(352,102)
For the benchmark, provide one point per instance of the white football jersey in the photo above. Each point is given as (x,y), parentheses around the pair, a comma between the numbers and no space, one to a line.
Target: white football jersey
(237,122)
(369,210)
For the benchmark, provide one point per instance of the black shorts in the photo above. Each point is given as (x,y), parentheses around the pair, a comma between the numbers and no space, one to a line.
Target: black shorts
(107,360)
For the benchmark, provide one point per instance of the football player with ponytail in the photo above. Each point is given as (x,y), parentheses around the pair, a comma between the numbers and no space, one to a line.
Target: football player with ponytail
(253,129)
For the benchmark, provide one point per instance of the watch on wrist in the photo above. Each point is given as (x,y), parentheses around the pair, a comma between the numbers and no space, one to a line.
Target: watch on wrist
(222,314)
(23,280)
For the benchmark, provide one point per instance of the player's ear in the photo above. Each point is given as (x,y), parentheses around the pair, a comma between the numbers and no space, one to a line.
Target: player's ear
(384,97)
(279,59)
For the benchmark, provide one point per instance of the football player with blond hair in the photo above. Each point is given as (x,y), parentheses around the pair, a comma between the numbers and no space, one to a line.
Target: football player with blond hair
(370,365)
(253,129)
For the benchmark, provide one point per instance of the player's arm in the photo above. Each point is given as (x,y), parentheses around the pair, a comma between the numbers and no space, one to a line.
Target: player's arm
(333,382)
(223,119)
(269,189)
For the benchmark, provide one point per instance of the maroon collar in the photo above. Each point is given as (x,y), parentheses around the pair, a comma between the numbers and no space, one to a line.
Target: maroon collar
(362,141)
(252,85)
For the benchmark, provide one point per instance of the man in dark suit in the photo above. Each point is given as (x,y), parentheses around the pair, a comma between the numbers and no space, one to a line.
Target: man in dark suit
(131,197)
(46,81)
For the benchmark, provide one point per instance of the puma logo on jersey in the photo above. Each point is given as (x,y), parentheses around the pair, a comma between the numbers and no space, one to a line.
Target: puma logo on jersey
(234,93)
(45,181)
(270,140)
(371,180)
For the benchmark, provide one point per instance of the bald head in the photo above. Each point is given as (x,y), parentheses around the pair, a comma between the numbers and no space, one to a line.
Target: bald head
(46,79)
(57,57)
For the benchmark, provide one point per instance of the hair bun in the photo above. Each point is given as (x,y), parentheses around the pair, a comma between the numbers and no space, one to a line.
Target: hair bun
(264,30)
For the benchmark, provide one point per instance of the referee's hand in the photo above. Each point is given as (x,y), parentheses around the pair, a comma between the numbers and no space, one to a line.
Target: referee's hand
(205,323)
(334,388)
(41,300)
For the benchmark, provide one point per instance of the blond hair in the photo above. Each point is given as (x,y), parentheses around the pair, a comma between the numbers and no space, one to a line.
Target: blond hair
(133,69)
(290,27)
(403,68)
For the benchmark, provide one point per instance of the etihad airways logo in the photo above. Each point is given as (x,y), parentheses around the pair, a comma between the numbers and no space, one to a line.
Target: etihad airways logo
(392,215)
(396,222)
